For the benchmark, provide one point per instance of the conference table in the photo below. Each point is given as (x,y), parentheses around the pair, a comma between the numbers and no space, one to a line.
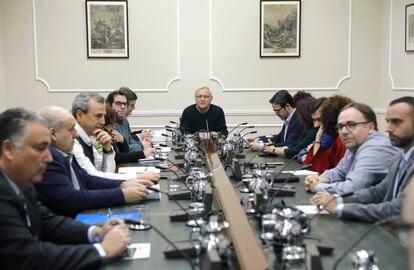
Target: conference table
(334,232)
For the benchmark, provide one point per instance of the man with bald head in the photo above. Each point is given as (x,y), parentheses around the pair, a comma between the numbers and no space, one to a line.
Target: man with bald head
(203,115)
(68,189)
(31,236)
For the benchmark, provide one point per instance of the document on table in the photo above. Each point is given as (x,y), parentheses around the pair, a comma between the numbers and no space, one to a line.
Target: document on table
(140,169)
(157,136)
(301,172)
(153,195)
(138,251)
(311,210)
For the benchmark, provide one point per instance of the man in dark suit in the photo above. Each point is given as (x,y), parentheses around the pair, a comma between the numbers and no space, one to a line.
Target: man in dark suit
(385,199)
(31,237)
(68,189)
(284,107)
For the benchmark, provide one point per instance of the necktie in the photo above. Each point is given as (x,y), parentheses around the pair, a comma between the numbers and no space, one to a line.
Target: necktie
(398,176)
(73,174)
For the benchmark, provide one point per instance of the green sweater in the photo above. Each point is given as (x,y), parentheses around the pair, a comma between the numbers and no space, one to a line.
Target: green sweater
(125,130)
(307,138)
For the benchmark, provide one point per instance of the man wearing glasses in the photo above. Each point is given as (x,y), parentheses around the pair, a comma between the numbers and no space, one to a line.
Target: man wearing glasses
(284,107)
(385,199)
(203,115)
(367,158)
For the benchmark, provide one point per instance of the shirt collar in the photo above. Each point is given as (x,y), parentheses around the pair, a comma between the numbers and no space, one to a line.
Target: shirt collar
(407,154)
(290,116)
(82,134)
(12,184)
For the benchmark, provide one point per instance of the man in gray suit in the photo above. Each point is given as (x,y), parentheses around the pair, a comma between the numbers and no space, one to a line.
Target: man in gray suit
(385,199)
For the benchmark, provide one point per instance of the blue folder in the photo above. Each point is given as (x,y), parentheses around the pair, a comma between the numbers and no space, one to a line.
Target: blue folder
(95,218)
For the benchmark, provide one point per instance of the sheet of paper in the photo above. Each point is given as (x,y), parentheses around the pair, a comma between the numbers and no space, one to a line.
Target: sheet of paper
(154,195)
(311,209)
(157,137)
(138,169)
(301,172)
(138,251)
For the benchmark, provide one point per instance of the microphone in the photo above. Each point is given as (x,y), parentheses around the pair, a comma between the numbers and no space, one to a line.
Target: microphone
(171,198)
(175,123)
(182,253)
(365,234)
(284,182)
(277,191)
(245,128)
(244,123)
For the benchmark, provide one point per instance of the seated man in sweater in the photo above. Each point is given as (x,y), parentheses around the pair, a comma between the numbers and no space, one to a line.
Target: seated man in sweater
(31,236)
(93,147)
(203,115)
(67,189)
(367,158)
(385,199)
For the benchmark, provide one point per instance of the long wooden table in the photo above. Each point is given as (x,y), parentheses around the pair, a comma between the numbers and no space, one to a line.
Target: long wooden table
(340,234)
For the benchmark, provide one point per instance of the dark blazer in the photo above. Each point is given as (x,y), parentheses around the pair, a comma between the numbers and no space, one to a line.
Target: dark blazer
(48,243)
(376,203)
(292,135)
(57,192)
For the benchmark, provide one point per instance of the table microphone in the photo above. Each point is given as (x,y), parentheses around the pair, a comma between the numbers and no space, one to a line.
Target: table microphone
(175,123)
(181,252)
(246,128)
(272,179)
(278,190)
(365,234)
(238,125)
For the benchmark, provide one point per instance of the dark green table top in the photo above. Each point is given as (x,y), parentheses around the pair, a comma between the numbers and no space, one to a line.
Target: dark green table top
(334,232)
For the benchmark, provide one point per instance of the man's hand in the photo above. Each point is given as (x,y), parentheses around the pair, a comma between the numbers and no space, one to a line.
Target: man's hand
(116,240)
(117,136)
(109,225)
(134,191)
(215,135)
(149,152)
(146,134)
(134,194)
(269,149)
(146,143)
(254,145)
(250,139)
(325,200)
(311,181)
(154,177)
(104,139)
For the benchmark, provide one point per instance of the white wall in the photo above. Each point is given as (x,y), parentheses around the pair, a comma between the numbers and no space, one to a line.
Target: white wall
(179,45)
(3,96)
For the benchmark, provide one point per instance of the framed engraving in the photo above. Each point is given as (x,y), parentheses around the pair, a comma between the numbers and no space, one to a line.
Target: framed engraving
(107,29)
(280,28)
(409,28)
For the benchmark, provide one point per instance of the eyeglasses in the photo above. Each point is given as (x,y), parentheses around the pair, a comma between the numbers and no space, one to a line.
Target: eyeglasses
(278,110)
(120,103)
(203,96)
(350,125)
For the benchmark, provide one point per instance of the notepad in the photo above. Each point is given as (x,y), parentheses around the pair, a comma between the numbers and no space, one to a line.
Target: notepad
(301,172)
(311,210)
(140,169)
(138,251)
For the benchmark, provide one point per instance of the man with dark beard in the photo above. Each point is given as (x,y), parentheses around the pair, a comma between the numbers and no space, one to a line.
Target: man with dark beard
(385,199)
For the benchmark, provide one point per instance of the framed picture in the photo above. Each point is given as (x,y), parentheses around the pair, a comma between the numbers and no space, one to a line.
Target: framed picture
(409,28)
(107,29)
(280,28)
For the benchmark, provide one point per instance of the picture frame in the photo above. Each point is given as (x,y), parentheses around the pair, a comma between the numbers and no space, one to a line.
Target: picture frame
(107,29)
(409,28)
(280,23)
